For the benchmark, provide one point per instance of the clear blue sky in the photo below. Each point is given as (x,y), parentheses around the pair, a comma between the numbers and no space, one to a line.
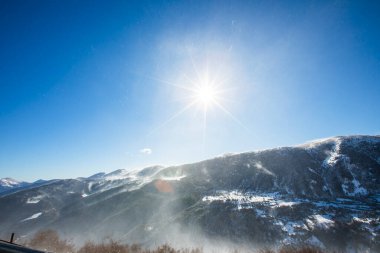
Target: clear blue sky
(90,86)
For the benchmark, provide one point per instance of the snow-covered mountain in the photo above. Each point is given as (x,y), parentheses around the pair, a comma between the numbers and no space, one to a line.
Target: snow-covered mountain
(325,193)
(10,185)
(7,184)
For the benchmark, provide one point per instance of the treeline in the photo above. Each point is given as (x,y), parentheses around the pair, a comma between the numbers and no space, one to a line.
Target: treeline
(49,240)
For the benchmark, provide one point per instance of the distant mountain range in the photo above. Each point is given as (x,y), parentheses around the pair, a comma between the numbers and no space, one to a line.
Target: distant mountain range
(325,193)
(10,185)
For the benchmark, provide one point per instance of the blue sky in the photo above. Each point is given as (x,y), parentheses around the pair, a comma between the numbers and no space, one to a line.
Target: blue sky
(90,86)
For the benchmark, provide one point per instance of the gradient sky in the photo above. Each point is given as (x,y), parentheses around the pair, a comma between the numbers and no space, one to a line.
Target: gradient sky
(90,86)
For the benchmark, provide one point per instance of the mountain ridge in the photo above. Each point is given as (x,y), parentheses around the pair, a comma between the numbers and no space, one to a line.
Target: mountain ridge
(375,138)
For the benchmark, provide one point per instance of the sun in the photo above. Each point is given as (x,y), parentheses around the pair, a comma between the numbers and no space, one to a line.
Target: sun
(203,89)
(206,95)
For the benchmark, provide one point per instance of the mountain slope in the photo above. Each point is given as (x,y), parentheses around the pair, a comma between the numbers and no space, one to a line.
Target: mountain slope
(325,193)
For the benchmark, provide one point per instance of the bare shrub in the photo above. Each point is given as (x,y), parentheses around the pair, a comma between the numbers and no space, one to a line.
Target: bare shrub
(110,247)
(115,247)
(304,249)
(165,249)
(48,240)
(266,250)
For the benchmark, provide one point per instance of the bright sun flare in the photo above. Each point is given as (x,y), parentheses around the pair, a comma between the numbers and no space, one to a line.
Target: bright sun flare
(205,95)
(205,92)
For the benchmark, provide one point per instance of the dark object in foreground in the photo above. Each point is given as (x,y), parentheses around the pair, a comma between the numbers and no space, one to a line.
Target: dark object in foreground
(7,247)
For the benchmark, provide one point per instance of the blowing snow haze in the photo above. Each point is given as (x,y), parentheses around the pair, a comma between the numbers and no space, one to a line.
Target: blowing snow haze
(146,95)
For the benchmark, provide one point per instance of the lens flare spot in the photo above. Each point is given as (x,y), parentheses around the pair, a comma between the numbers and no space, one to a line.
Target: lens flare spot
(163,186)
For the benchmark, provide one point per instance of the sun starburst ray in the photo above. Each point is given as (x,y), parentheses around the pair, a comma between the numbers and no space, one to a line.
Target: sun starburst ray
(173,84)
(204,130)
(227,112)
(195,69)
(187,107)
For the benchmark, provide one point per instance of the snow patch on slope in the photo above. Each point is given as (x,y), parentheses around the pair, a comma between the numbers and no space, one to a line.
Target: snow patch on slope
(34,200)
(260,167)
(334,155)
(363,220)
(248,199)
(320,221)
(239,197)
(34,216)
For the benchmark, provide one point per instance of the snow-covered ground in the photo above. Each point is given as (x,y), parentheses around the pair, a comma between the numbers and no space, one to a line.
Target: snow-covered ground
(323,219)
(247,199)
